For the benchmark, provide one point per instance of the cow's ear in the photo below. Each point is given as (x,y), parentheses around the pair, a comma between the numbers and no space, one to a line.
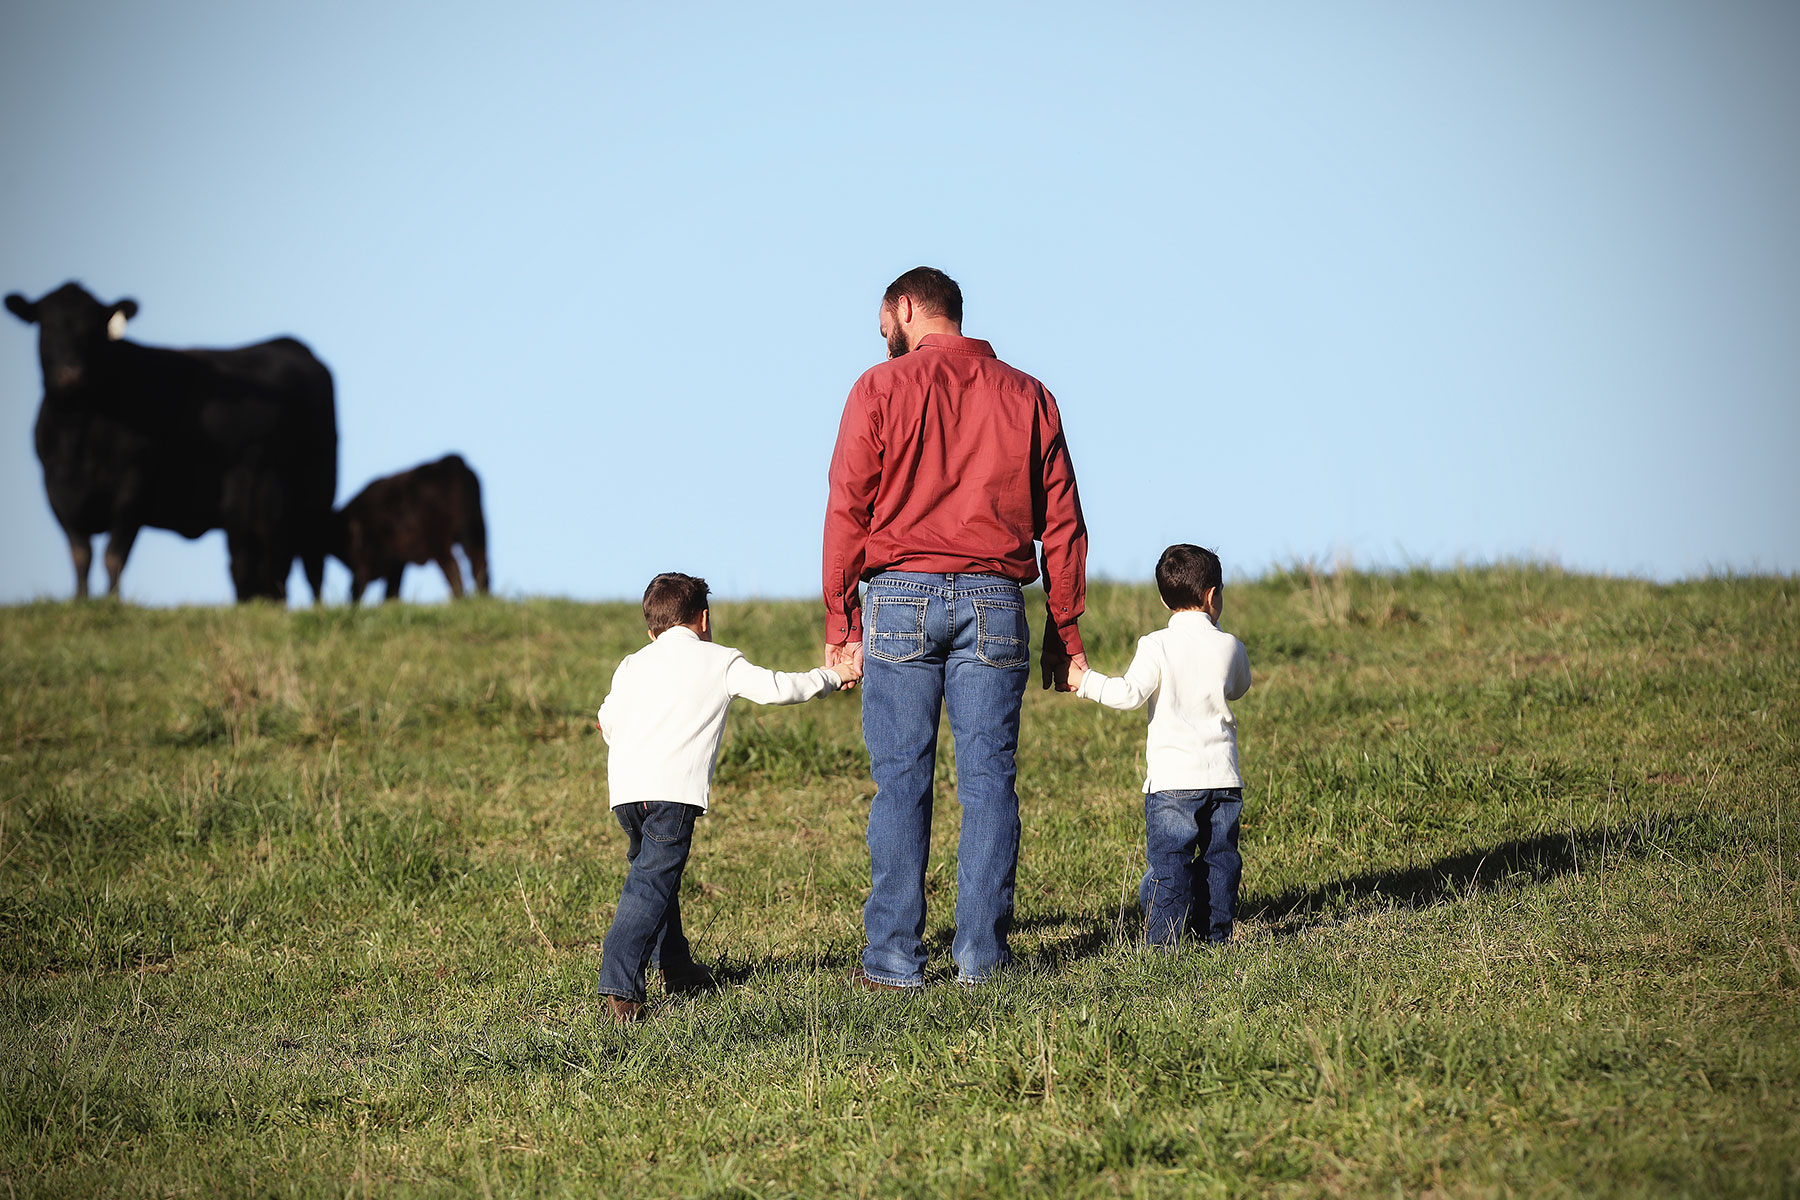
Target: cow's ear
(122,312)
(21,308)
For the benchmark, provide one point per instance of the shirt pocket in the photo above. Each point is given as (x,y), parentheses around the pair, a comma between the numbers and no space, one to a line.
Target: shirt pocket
(1000,632)
(896,628)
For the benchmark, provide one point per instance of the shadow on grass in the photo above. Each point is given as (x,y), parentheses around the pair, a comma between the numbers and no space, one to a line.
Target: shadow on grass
(1062,938)
(1059,938)
(1522,862)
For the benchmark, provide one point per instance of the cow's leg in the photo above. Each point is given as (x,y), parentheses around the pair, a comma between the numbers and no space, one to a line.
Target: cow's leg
(242,551)
(314,562)
(477,553)
(452,572)
(118,549)
(359,583)
(82,551)
(278,564)
(393,583)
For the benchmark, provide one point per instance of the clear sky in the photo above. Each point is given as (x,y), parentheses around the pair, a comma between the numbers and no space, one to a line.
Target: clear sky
(1402,282)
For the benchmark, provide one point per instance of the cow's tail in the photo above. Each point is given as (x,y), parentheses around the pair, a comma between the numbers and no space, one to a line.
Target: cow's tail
(474,527)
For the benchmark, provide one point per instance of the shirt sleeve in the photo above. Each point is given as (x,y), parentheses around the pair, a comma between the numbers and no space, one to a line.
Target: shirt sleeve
(607,715)
(1130,690)
(1061,529)
(759,685)
(855,474)
(1238,681)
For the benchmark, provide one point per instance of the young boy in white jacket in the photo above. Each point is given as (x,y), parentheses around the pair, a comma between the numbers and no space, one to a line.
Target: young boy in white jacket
(1193,794)
(663,722)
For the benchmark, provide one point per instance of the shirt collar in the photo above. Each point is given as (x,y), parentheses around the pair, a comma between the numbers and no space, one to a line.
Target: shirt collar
(1189,617)
(961,345)
(678,631)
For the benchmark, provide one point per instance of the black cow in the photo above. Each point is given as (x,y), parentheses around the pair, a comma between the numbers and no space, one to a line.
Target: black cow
(416,517)
(242,440)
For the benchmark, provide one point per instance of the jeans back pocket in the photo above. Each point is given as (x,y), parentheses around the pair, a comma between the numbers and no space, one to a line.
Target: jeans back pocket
(1000,632)
(670,822)
(896,628)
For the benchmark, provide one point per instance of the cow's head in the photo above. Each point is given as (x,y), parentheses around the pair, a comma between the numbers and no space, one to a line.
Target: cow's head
(73,330)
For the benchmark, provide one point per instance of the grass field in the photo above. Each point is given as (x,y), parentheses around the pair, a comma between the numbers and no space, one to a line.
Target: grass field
(310,903)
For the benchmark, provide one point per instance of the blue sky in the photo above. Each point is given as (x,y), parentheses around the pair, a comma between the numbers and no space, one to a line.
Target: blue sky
(1393,282)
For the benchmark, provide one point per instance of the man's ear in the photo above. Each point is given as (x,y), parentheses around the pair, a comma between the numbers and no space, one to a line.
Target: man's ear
(903,309)
(122,312)
(21,308)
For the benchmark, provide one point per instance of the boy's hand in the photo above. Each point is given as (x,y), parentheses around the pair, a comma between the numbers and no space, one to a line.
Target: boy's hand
(846,660)
(1057,664)
(1077,669)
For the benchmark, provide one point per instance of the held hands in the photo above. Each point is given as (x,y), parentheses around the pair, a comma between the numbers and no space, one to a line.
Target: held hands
(1060,671)
(847,661)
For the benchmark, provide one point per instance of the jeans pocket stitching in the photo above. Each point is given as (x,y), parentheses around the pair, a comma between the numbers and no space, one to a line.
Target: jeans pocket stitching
(983,639)
(681,826)
(874,633)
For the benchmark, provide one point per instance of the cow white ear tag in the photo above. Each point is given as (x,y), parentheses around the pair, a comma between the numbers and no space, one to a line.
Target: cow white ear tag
(115,326)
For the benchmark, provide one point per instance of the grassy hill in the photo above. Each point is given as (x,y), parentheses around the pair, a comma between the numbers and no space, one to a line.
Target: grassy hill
(310,902)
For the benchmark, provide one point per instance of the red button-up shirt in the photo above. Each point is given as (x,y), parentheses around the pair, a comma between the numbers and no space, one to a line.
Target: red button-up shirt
(949,460)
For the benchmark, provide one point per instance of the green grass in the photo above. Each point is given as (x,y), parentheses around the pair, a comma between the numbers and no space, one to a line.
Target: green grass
(310,903)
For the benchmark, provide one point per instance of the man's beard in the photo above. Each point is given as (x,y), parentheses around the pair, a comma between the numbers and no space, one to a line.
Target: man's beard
(897,342)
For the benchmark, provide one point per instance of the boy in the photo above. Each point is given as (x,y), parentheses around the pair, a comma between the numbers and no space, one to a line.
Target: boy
(663,722)
(1193,793)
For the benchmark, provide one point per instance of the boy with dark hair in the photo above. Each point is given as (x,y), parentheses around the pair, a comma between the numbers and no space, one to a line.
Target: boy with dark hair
(1193,792)
(663,721)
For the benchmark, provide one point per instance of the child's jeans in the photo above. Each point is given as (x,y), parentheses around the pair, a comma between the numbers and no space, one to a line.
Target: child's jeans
(1190,844)
(647,928)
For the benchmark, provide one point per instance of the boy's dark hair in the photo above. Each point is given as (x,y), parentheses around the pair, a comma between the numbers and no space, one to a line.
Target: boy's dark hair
(673,599)
(1184,573)
(932,290)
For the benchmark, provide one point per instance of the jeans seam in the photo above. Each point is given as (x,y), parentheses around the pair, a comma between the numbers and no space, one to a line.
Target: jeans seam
(899,983)
(925,589)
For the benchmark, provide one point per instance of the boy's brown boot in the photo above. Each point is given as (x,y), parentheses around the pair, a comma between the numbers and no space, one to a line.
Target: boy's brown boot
(625,1011)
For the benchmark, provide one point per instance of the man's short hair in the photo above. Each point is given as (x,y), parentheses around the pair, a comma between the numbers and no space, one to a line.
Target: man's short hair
(673,599)
(1184,573)
(931,290)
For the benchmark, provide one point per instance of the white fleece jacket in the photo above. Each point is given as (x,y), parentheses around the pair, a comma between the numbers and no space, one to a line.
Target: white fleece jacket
(1189,673)
(664,719)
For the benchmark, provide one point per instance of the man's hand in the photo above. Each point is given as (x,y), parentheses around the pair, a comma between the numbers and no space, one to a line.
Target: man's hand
(1056,662)
(847,661)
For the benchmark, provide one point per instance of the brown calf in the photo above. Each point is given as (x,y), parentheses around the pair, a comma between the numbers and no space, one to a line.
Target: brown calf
(414,517)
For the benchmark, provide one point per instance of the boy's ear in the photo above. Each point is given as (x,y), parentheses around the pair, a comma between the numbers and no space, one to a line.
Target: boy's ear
(706,620)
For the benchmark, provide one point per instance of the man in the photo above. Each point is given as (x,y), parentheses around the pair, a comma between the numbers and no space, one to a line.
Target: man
(949,465)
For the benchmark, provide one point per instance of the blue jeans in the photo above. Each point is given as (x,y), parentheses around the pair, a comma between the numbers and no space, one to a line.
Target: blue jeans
(958,643)
(1176,900)
(646,930)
